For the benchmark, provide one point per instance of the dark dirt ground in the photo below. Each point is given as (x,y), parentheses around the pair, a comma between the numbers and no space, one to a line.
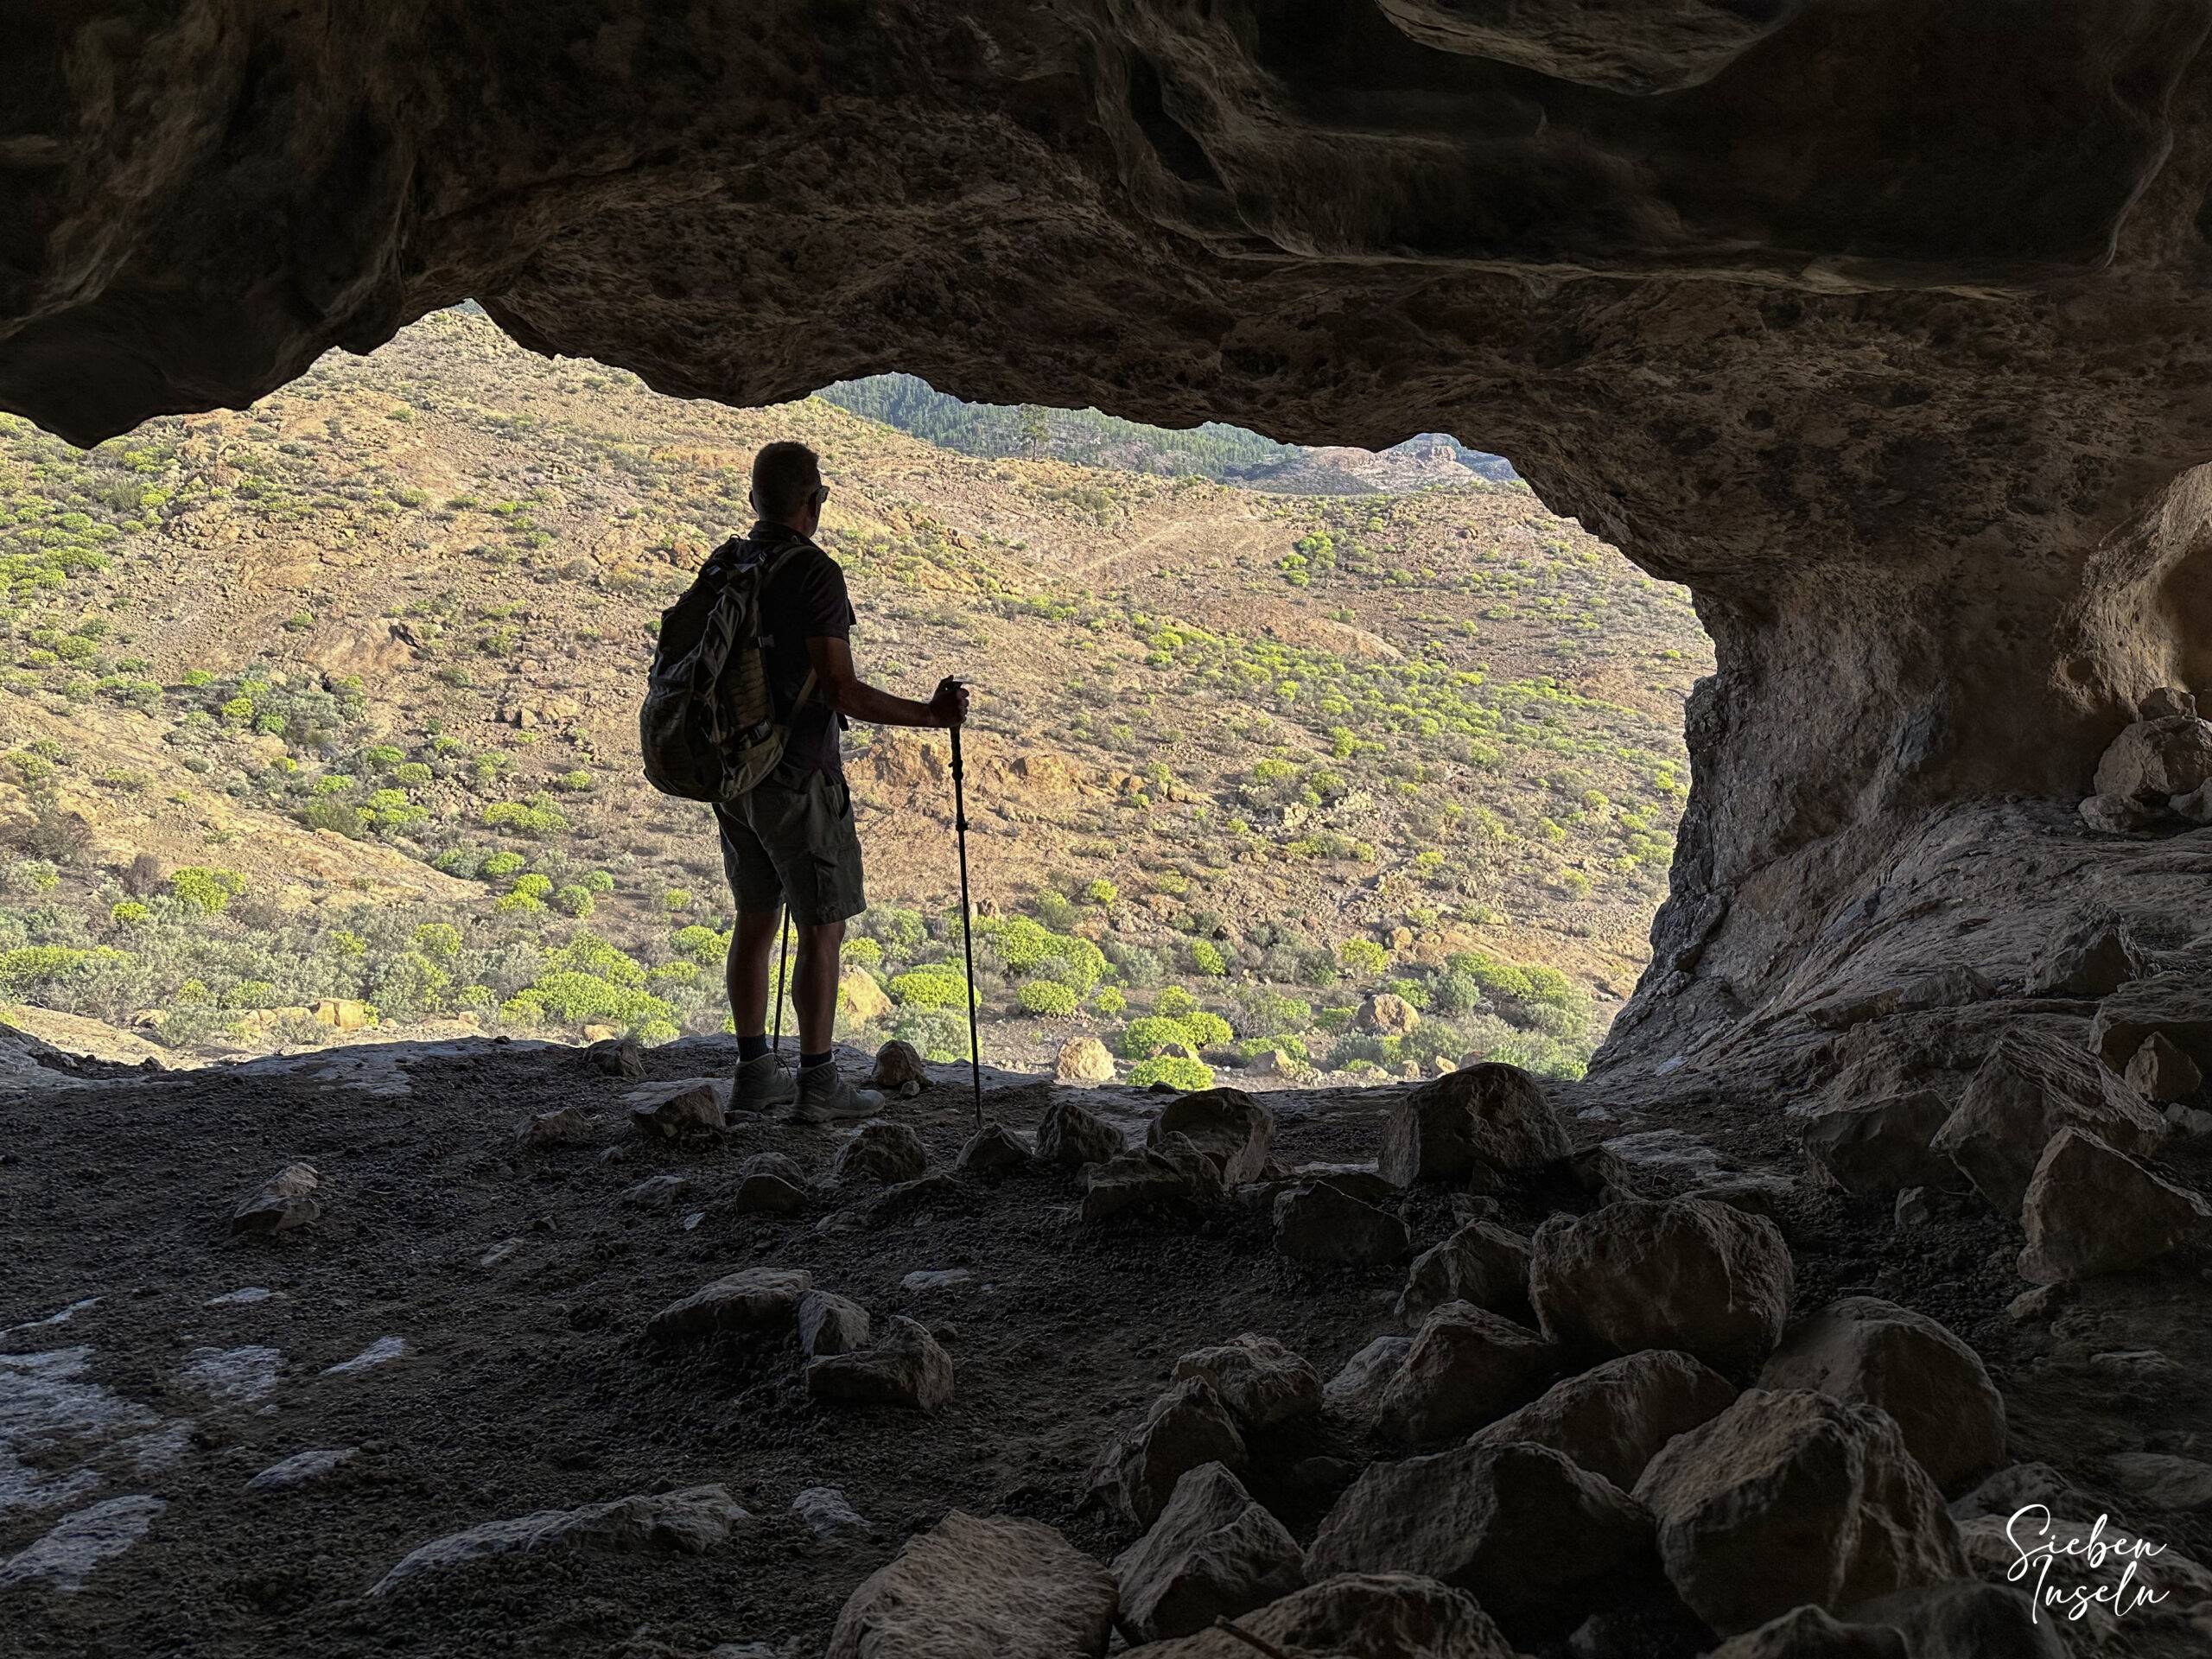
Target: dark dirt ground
(528,1386)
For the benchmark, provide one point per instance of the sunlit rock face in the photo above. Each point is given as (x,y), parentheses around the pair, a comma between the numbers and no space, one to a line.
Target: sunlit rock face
(1881,325)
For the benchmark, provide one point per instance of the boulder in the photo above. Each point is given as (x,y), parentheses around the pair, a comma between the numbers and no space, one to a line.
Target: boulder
(1355,1392)
(2091,1210)
(1466,1365)
(2176,1006)
(624,1057)
(1271,1062)
(769,1183)
(685,1106)
(2094,956)
(1354,1615)
(1381,1015)
(2120,814)
(690,1522)
(1071,1136)
(2160,1072)
(899,1069)
(1213,1552)
(1262,1382)
(882,1152)
(1468,1125)
(860,997)
(566,1128)
(1186,1425)
(1612,1419)
(1864,1351)
(993,1150)
(2195,806)
(2031,1085)
(1963,1620)
(287,1200)
(1481,1263)
(1529,1536)
(1317,1221)
(747,1299)
(1171,1172)
(1684,1273)
(1083,1060)
(2181,1485)
(906,1368)
(830,1324)
(1230,1129)
(973,1585)
(2167,702)
(1812,1633)
(2154,759)
(1881,1147)
(1791,1498)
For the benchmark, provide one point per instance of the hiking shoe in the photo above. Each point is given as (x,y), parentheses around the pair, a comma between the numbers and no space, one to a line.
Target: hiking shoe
(760,1083)
(824,1097)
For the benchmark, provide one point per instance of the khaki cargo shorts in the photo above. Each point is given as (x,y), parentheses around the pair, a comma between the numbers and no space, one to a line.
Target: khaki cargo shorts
(794,843)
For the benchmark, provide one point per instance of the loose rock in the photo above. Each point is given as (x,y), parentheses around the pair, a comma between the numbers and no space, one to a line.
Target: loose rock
(1612,1419)
(287,1200)
(769,1183)
(2154,759)
(2161,1072)
(1358,1616)
(2095,957)
(2118,815)
(1466,1365)
(898,1068)
(1520,1528)
(1963,1621)
(1083,1060)
(1186,1426)
(1213,1552)
(624,1057)
(1071,1136)
(1172,1172)
(993,1150)
(2092,1210)
(1864,1351)
(1481,1118)
(1316,1221)
(830,1324)
(1785,1499)
(2181,1485)
(826,1513)
(908,1367)
(2031,1085)
(1355,1392)
(1881,1147)
(1386,1015)
(300,1468)
(971,1586)
(566,1128)
(689,1523)
(747,1299)
(1230,1130)
(882,1152)
(688,1107)
(1481,1263)
(1813,1633)
(1685,1274)
(660,1192)
(2175,1005)
(1257,1378)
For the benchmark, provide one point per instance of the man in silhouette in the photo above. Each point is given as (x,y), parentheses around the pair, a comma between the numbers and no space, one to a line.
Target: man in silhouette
(791,841)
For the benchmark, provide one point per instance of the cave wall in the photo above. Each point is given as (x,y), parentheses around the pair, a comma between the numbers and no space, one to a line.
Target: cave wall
(1882,326)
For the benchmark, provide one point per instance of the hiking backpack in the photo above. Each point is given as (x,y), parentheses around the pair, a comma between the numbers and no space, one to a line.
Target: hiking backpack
(709,730)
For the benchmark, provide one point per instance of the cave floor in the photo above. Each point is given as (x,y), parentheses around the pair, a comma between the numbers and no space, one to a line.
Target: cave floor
(519,1283)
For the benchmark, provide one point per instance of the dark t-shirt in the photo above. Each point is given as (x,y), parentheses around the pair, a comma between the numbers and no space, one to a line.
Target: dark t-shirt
(805,601)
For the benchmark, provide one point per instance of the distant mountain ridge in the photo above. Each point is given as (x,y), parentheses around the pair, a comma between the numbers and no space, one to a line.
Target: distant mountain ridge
(1086,437)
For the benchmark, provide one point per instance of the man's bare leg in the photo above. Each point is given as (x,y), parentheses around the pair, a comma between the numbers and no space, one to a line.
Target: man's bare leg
(814,988)
(748,970)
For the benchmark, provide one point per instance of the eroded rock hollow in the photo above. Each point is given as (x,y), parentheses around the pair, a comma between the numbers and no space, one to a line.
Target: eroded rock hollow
(1880,325)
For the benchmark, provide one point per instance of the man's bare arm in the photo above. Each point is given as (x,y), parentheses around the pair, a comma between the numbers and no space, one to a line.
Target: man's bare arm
(838,687)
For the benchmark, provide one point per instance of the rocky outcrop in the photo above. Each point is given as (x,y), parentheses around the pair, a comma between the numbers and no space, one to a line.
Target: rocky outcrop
(2031,1086)
(2090,1209)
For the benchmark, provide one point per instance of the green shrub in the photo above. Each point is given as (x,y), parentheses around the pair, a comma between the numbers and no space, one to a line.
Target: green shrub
(129,912)
(937,1035)
(703,943)
(936,986)
(1173,1002)
(1363,958)
(334,783)
(207,891)
(578,780)
(1185,1075)
(1414,992)
(575,899)
(599,881)
(438,939)
(537,818)
(1206,1030)
(518,901)
(346,942)
(1110,1002)
(675,899)
(865,951)
(1207,958)
(535,885)
(1047,996)
(501,864)
(251,994)
(1101,892)
(331,815)
(673,972)
(1028,948)
(383,756)
(898,930)
(409,986)
(414,772)
(1140,1038)
(1267,1011)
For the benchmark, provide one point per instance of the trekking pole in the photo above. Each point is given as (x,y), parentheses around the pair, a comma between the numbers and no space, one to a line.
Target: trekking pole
(783,950)
(967,934)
